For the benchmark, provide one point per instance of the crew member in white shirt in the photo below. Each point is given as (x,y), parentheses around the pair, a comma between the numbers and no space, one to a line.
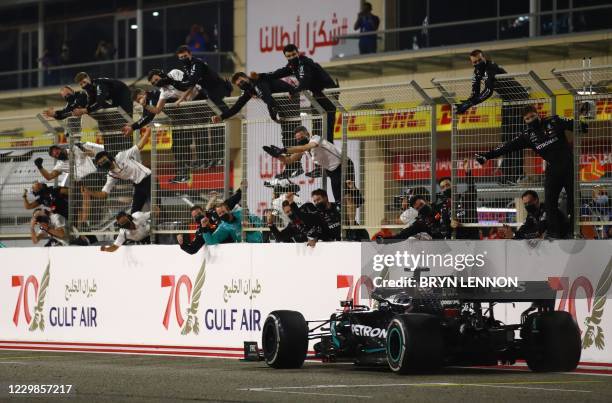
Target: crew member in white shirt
(153,102)
(85,172)
(126,165)
(133,227)
(323,153)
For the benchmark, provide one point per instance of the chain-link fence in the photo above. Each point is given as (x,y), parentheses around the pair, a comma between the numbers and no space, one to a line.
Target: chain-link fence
(591,88)
(191,164)
(266,180)
(94,200)
(489,194)
(384,131)
(24,145)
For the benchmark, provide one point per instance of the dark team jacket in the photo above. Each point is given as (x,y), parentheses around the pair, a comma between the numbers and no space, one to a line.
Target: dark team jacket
(310,75)
(427,224)
(507,88)
(52,198)
(106,93)
(331,217)
(534,226)
(73,101)
(147,117)
(309,223)
(199,72)
(549,142)
(263,89)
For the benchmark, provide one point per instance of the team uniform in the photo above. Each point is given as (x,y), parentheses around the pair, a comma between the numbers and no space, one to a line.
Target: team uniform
(140,234)
(213,87)
(550,143)
(263,89)
(311,76)
(110,93)
(509,90)
(329,158)
(130,168)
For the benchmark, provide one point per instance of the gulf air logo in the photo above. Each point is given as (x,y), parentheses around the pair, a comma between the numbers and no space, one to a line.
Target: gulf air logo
(190,322)
(31,290)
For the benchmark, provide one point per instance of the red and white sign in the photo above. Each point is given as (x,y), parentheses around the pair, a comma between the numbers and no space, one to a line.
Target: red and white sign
(313,26)
(159,300)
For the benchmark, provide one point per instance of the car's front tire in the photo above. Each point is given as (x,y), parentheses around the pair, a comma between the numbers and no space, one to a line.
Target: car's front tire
(414,343)
(285,339)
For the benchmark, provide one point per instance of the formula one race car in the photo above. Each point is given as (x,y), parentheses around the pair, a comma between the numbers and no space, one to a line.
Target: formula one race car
(416,329)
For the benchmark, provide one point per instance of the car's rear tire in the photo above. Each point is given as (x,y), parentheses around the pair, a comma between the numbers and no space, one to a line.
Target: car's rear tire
(414,343)
(285,339)
(552,342)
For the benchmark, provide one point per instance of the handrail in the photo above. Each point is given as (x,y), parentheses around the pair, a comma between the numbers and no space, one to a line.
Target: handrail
(107,62)
(472,21)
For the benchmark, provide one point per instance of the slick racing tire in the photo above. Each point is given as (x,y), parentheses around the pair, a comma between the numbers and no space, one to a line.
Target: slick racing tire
(285,339)
(414,343)
(552,342)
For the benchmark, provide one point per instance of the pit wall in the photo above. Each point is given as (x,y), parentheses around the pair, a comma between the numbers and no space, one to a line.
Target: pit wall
(156,299)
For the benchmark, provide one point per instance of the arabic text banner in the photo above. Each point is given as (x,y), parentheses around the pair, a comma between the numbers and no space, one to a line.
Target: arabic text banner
(313,26)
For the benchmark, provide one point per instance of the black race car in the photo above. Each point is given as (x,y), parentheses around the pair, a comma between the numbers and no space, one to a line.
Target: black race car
(414,330)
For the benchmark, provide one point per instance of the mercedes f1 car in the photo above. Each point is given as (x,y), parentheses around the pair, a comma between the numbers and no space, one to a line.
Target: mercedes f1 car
(415,330)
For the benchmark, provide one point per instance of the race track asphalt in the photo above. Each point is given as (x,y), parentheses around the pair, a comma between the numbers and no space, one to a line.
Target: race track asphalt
(134,378)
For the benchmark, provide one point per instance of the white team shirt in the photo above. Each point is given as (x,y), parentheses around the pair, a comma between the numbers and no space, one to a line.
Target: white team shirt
(128,168)
(326,155)
(169,92)
(83,163)
(56,221)
(409,216)
(142,230)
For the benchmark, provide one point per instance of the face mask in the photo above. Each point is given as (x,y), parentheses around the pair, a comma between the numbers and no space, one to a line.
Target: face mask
(601,200)
(105,166)
(126,225)
(294,61)
(320,206)
(535,124)
(447,192)
(245,86)
(291,216)
(42,190)
(225,217)
(531,208)
(303,141)
(197,219)
(480,64)
(425,211)
(162,82)
(89,87)
(63,156)
(67,98)
(185,61)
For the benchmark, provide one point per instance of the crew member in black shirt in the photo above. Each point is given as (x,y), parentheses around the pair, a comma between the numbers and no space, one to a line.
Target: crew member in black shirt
(535,223)
(305,225)
(508,89)
(73,100)
(546,137)
(262,88)
(104,93)
(330,212)
(311,76)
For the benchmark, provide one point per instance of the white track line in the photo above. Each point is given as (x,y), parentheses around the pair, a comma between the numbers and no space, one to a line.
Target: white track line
(530,388)
(510,385)
(305,393)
